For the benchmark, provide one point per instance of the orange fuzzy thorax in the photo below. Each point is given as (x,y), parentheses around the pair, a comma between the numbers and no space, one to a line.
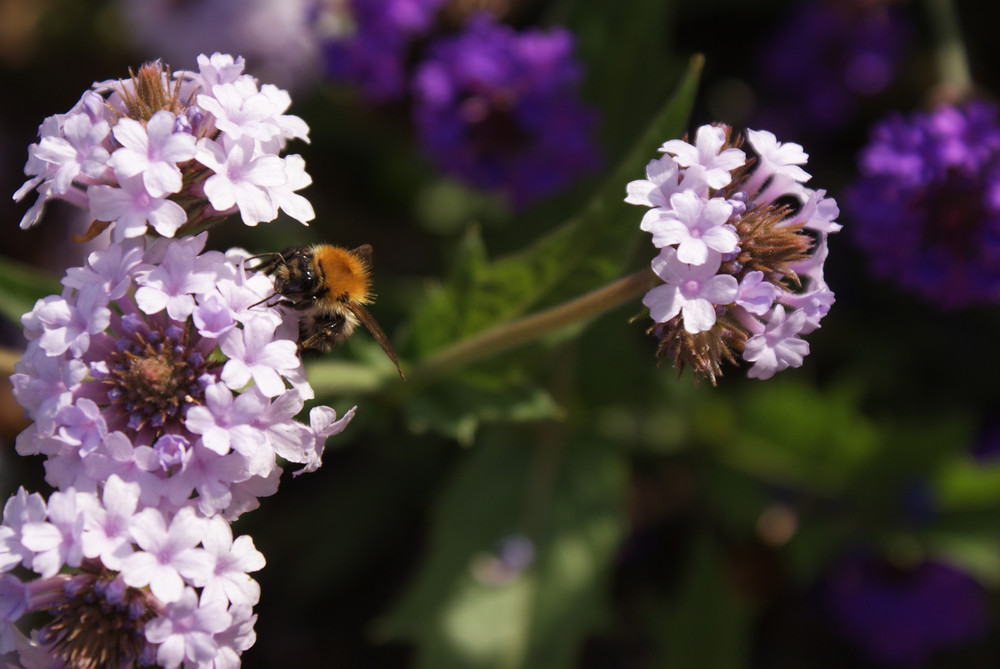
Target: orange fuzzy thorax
(345,275)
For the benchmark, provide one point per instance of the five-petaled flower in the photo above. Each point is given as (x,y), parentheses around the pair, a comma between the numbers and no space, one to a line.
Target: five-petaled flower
(742,245)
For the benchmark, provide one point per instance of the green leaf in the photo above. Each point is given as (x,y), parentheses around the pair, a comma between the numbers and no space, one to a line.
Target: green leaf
(977,552)
(567,500)
(458,408)
(791,433)
(966,484)
(20,286)
(580,255)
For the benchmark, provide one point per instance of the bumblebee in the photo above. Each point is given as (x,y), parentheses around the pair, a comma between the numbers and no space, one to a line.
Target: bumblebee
(329,286)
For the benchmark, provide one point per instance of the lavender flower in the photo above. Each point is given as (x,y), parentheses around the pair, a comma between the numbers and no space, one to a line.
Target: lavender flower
(368,42)
(151,366)
(742,245)
(171,154)
(121,587)
(501,110)
(927,205)
(899,616)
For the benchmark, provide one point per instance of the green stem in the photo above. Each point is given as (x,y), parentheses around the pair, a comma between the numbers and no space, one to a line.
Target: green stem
(514,333)
(952,59)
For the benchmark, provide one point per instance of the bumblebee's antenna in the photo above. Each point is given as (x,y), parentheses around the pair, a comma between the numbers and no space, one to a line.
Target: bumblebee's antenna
(273,259)
(264,300)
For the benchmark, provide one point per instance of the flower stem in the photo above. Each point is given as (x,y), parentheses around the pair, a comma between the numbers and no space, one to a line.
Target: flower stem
(514,333)
(952,59)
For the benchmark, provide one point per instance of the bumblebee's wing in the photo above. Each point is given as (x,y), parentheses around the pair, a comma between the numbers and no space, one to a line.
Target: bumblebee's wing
(369,322)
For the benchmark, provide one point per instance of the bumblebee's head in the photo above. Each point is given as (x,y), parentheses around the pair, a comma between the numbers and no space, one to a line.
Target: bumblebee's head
(296,275)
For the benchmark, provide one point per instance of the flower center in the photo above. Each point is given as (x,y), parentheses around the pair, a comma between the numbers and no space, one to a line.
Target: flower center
(154,377)
(691,287)
(98,621)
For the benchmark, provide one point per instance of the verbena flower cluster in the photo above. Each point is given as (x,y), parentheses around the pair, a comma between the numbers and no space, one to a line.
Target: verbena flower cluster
(124,584)
(493,107)
(171,153)
(927,205)
(162,386)
(742,245)
(151,366)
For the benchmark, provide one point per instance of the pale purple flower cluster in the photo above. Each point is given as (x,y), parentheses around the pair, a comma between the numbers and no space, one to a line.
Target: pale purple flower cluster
(162,397)
(927,204)
(742,245)
(151,152)
(178,580)
(162,385)
(151,366)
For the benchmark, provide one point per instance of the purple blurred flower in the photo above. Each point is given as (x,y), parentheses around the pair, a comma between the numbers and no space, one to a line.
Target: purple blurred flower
(274,35)
(823,57)
(927,205)
(500,109)
(368,43)
(899,616)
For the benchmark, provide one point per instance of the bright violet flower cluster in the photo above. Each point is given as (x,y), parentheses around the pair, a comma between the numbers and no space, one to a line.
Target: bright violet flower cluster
(498,108)
(162,386)
(171,154)
(368,42)
(494,107)
(742,245)
(927,204)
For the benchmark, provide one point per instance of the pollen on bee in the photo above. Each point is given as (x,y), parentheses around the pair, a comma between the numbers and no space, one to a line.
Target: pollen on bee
(344,272)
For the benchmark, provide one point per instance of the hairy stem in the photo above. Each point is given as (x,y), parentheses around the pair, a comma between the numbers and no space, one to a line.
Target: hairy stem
(514,333)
